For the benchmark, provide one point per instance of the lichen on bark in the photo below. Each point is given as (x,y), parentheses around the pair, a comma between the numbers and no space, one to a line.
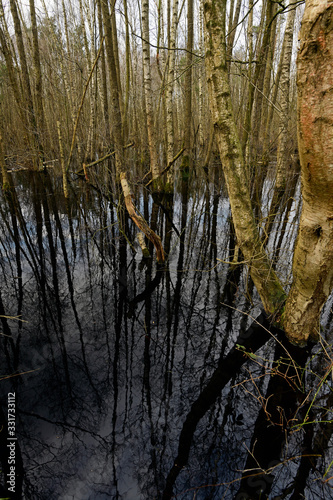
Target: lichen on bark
(313,255)
(261,269)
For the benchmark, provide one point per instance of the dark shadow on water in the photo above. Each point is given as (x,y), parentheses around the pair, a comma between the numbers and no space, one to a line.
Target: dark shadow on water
(138,380)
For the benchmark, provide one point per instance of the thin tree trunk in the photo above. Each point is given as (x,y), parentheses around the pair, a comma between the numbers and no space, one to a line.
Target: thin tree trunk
(90,51)
(283,160)
(117,131)
(272,108)
(128,71)
(233,23)
(154,166)
(170,87)
(4,173)
(116,56)
(261,58)
(38,74)
(267,88)
(262,69)
(31,119)
(201,77)
(103,77)
(187,158)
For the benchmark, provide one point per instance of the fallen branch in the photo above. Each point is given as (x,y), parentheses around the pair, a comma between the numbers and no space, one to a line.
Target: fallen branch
(78,172)
(139,220)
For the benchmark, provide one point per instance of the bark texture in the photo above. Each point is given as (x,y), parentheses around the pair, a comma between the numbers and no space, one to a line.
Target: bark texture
(139,220)
(264,278)
(170,88)
(118,138)
(26,87)
(313,256)
(283,152)
(154,164)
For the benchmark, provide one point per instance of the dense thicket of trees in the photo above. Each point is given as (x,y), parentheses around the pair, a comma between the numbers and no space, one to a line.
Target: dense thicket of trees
(49,74)
(82,78)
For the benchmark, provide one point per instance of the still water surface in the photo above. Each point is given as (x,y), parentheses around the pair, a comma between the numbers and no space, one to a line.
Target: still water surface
(139,381)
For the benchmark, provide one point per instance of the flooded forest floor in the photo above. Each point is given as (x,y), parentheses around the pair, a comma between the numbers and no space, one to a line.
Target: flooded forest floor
(138,380)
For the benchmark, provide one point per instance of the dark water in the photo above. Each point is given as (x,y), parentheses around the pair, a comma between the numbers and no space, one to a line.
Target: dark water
(138,381)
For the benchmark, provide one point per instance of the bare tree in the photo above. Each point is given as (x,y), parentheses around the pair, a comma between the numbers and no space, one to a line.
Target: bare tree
(117,132)
(283,151)
(170,85)
(312,267)
(154,164)
(265,279)
(187,159)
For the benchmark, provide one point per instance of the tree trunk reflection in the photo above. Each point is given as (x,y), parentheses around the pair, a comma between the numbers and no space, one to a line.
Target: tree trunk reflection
(149,379)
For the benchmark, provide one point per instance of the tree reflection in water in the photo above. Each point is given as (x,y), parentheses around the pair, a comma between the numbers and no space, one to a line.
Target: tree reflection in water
(150,381)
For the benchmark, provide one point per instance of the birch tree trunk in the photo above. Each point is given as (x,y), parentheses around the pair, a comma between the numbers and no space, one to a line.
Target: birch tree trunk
(264,278)
(283,159)
(170,87)
(102,79)
(261,54)
(38,75)
(26,87)
(187,158)
(117,131)
(154,167)
(313,256)
(201,77)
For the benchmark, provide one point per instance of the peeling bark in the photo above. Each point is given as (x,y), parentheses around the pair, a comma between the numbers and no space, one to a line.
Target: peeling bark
(313,256)
(139,220)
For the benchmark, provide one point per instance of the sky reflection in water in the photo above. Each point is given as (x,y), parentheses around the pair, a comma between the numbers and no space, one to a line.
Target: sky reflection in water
(135,387)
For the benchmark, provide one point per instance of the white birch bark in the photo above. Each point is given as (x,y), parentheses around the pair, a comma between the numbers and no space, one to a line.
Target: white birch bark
(170,87)
(313,255)
(154,166)
(264,278)
(201,76)
(283,158)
